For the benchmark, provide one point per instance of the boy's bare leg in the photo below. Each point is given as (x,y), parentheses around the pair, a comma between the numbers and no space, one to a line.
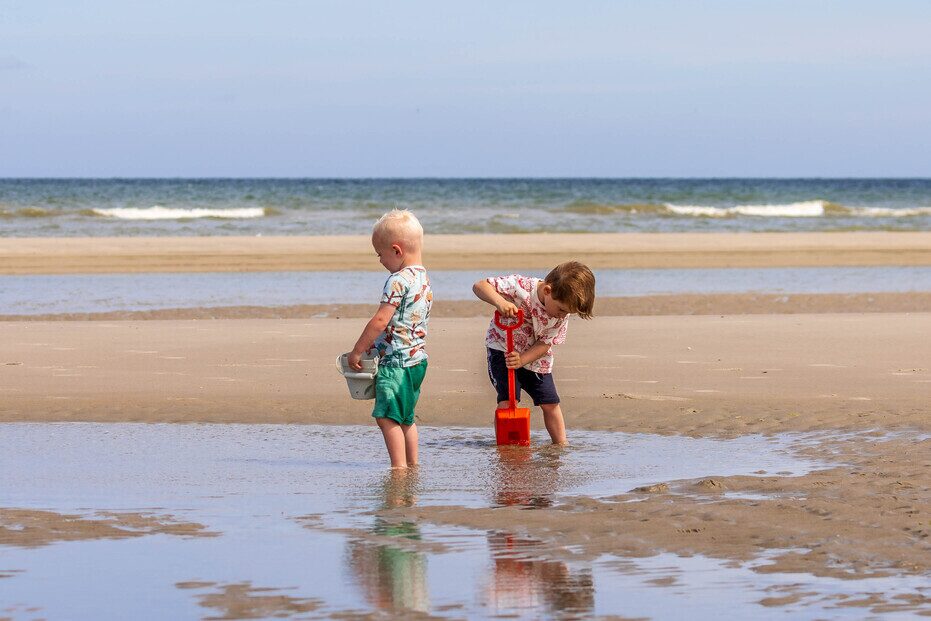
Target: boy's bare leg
(394,441)
(552,418)
(410,443)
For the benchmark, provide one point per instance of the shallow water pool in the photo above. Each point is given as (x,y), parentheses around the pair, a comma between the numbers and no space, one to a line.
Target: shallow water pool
(291,524)
(98,293)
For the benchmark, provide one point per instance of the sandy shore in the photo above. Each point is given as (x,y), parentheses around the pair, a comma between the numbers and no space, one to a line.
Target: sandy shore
(669,374)
(444,252)
(852,372)
(847,381)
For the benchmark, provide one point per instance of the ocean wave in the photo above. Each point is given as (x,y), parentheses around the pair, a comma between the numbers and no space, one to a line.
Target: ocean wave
(805,209)
(886,212)
(175,213)
(28,212)
(599,209)
(802,209)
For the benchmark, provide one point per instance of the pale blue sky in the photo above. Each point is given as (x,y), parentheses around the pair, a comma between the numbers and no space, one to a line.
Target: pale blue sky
(350,89)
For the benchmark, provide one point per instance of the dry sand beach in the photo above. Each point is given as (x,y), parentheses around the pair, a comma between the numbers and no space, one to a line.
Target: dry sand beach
(856,370)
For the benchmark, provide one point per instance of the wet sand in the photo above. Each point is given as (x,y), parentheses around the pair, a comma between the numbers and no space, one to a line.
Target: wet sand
(30,528)
(537,251)
(695,375)
(712,375)
(242,600)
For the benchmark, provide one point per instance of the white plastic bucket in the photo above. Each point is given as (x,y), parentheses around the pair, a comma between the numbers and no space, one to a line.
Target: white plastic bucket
(361,383)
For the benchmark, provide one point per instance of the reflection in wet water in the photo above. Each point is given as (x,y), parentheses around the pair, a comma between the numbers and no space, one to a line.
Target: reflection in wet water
(523,478)
(303,531)
(523,580)
(392,578)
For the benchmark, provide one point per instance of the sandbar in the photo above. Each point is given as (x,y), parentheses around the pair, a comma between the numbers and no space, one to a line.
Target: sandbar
(449,252)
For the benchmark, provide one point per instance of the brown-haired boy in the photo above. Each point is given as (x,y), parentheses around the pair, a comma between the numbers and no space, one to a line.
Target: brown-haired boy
(547,303)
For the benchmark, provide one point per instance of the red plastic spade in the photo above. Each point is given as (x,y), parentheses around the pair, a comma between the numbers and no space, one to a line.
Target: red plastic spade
(512,424)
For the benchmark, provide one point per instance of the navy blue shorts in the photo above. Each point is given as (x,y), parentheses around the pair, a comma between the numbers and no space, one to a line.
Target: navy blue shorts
(540,386)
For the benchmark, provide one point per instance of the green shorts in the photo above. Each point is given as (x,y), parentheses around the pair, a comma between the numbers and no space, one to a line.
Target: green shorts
(396,392)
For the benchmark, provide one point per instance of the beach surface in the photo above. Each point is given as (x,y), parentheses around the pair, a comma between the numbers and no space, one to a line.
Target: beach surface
(862,380)
(666,374)
(848,376)
(352,252)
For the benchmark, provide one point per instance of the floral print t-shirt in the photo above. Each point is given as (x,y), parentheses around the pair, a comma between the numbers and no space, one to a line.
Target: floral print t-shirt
(537,326)
(403,341)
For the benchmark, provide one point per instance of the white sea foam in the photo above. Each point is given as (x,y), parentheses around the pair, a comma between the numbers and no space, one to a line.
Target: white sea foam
(806,209)
(886,212)
(174,213)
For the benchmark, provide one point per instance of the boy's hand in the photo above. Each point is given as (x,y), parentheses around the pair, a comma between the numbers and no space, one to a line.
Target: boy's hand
(507,309)
(355,360)
(512,360)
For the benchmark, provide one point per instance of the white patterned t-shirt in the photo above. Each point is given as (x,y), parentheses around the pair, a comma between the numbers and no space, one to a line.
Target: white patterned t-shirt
(403,342)
(538,324)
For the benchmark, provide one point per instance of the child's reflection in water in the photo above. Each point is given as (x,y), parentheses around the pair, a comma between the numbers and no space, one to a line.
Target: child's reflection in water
(392,577)
(521,479)
(522,579)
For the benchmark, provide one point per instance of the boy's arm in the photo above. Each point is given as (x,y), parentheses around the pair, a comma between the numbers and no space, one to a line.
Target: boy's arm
(485,291)
(515,359)
(373,328)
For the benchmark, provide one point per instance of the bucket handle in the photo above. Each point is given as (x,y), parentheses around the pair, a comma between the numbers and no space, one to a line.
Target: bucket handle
(355,374)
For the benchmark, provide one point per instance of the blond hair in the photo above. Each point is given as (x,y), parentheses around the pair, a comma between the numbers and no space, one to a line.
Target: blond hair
(399,225)
(573,284)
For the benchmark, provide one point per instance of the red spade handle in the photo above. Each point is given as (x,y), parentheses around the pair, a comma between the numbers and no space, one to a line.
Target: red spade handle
(510,327)
(509,331)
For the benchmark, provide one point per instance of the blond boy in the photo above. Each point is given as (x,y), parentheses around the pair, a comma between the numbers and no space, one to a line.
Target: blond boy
(397,333)
(547,303)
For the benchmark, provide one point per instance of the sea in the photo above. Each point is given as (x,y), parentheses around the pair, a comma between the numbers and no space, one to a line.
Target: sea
(170,207)
(257,207)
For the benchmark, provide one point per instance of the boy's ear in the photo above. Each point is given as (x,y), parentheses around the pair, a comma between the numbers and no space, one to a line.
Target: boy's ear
(397,250)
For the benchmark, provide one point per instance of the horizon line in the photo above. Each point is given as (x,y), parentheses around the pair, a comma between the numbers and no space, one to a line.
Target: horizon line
(464,178)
